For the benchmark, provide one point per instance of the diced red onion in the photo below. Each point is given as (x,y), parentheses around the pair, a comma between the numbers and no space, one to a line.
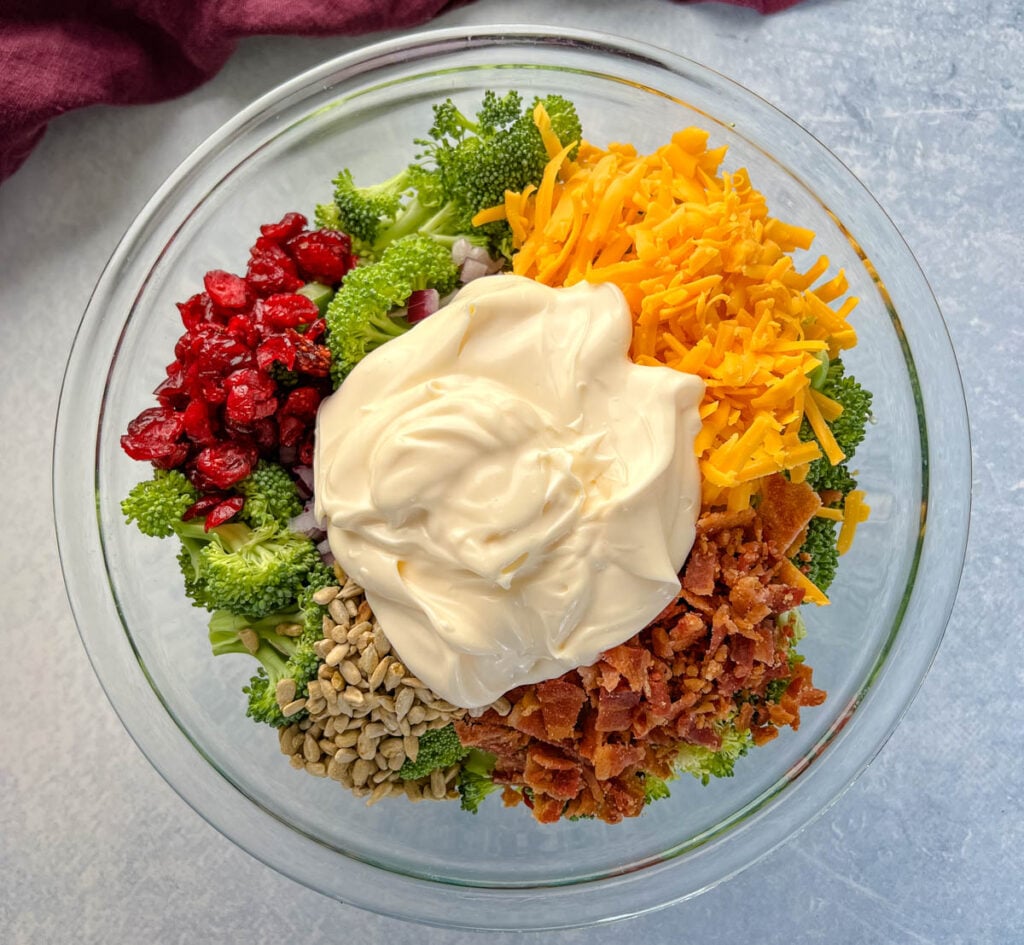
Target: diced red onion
(305,474)
(422,302)
(473,269)
(324,548)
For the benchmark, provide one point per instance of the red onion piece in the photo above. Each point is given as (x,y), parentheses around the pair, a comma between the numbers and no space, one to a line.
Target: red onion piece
(422,302)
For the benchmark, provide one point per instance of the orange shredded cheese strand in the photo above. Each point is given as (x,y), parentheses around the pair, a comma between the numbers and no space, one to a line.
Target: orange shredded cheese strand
(855,512)
(490,215)
(836,515)
(706,274)
(791,574)
(821,430)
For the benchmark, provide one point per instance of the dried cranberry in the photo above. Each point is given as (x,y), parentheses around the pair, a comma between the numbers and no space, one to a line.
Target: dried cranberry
(310,358)
(271,270)
(264,432)
(288,226)
(201,506)
(227,291)
(322,256)
(290,429)
(306,450)
(198,423)
(276,349)
(172,391)
(196,310)
(215,351)
(286,311)
(315,329)
(242,328)
(225,464)
(223,512)
(153,435)
(302,402)
(250,395)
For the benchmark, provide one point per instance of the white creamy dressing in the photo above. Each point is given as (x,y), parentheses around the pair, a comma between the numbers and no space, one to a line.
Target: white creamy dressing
(513,493)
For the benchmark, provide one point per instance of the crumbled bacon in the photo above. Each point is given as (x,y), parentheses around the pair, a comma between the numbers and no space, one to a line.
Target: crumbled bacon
(580,745)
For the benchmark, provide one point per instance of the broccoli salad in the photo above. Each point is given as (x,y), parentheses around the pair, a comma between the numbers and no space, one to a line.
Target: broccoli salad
(700,281)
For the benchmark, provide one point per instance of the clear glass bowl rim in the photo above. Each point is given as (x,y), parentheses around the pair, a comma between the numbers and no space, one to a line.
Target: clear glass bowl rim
(943,545)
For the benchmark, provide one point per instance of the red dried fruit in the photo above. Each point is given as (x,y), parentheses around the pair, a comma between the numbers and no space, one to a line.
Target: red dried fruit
(153,434)
(198,423)
(285,311)
(271,270)
(226,291)
(196,310)
(172,391)
(224,464)
(201,506)
(250,395)
(310,358)
(290,429)
(322,256)
(288,226)
(315,329)
(277,349)
(302,402)
(224,512)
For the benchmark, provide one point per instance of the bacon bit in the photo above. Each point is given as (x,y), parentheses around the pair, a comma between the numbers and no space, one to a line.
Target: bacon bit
(560,704)
(582,742)
(615,710)
(787,508)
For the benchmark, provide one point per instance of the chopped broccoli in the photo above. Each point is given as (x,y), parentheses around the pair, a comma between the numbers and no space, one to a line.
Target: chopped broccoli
(270,496)
(467,165)
(361,316)
(288,655)
(475,780)
(818,557)
(377,215)
(255,572)
(655,788)
(477,161)
(439,748)
(848,429)
(705,764)
(156,505)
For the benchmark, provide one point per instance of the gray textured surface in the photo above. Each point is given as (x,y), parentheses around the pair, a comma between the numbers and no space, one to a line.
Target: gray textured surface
(923,100)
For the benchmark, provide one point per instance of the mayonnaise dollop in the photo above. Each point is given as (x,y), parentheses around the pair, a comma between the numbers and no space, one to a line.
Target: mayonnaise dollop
(513,493)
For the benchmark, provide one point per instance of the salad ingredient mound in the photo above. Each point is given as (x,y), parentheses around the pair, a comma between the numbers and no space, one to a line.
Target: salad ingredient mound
(712,675)
(713,291)
(514,494)
(712,295)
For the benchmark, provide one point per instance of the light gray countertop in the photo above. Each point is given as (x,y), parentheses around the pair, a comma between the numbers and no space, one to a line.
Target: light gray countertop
(924,101)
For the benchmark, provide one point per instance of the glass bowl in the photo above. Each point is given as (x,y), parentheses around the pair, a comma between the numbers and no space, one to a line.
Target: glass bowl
(431,862)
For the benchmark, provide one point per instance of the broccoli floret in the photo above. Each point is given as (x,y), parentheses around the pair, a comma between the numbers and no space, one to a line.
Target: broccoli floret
(477,161)
(285,651)
(361,316)
(255,572)
(438,748)
(377,215)
(848,429)
(655,788)
(475,780)
(818,557)
(705,764)
(270,496)
(466,166)
(245,570)
(156,505)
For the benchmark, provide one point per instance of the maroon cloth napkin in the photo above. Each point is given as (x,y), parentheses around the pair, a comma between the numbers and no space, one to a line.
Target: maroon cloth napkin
(58,55)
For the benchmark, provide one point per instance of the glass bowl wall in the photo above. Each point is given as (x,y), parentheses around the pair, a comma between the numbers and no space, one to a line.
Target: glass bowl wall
(431,862)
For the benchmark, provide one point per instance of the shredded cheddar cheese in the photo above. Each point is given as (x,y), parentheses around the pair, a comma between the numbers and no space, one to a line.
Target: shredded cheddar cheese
(711,287)
(855,512)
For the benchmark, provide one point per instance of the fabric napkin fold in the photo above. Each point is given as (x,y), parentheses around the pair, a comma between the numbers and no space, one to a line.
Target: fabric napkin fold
(59,55)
